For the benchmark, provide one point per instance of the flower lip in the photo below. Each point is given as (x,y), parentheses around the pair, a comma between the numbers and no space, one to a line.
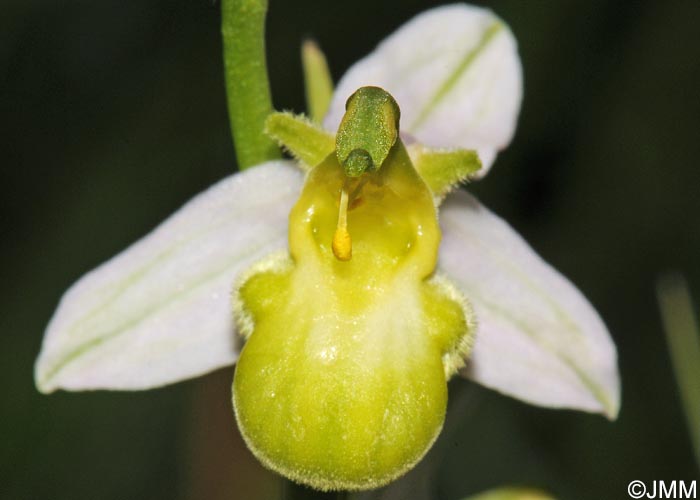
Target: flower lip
(341,383)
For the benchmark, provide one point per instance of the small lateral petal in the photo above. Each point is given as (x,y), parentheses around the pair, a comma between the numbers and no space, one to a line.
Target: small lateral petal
(443,169)
(304,140)
(538,338)
(159,312)
(456,73)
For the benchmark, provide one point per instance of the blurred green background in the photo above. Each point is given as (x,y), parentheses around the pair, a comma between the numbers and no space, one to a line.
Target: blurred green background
(114,114)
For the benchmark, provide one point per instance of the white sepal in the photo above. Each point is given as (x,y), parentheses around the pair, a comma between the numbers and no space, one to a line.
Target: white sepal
(160,311)
(538,338)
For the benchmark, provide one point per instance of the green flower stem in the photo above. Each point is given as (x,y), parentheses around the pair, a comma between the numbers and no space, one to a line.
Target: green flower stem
(247,86)
(683,337)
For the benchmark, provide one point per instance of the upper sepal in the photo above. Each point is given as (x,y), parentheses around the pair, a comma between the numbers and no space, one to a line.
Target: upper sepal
(456,73)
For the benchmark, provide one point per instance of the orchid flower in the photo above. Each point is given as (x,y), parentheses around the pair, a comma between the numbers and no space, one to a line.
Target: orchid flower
(358,279)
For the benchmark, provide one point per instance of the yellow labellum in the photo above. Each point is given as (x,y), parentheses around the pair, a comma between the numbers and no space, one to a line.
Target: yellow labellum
(350,339)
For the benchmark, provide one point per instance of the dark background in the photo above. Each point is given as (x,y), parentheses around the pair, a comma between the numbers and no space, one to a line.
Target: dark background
(113,114)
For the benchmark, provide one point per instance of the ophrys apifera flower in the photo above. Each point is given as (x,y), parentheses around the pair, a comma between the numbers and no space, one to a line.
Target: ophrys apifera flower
(366,302)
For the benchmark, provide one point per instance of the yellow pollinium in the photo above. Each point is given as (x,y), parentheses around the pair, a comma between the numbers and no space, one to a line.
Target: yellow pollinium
(342,243)
(341,383)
